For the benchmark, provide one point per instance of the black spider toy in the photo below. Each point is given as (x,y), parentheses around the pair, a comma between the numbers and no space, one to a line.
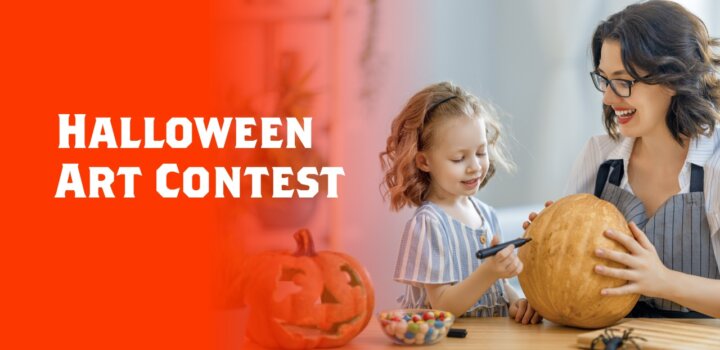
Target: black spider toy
(613,342)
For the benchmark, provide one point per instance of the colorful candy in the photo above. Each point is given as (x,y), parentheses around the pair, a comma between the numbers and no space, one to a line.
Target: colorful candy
(416,326)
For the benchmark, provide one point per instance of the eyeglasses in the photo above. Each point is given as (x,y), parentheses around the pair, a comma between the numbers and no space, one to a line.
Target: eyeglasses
(620,87)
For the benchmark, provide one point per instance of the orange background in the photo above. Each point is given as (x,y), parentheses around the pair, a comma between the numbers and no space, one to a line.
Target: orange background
(148,272)
(102,273)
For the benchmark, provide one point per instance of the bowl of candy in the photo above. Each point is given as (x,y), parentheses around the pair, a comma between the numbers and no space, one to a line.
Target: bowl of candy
(416,326)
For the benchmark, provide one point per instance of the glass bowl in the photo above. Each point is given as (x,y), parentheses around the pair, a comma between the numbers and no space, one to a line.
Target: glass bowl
(416,326)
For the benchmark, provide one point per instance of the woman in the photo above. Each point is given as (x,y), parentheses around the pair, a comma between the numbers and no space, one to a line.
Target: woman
(660,160)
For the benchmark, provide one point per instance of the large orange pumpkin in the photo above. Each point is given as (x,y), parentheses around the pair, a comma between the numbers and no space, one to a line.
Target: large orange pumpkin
(558,278)
(307,299)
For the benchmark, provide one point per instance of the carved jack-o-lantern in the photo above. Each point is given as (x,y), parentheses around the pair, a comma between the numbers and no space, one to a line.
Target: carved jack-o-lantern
(306,299)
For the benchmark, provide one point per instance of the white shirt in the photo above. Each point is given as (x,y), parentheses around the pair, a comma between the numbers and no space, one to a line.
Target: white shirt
(704,151)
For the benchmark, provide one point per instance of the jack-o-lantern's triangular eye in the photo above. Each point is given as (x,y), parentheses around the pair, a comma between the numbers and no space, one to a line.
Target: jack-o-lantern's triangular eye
(288,273)
(354,279)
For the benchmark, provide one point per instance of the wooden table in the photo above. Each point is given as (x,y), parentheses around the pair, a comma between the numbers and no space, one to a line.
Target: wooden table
(495,333)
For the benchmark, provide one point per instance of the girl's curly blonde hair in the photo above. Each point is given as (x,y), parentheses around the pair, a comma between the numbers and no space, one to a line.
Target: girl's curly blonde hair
(412,132)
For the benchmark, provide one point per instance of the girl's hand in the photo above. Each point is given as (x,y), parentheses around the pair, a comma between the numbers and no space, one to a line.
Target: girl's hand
(645,272)
(523,313)
(533,215)
(504,264)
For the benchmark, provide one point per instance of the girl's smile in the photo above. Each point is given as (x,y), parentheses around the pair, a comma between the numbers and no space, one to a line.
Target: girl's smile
(472,183)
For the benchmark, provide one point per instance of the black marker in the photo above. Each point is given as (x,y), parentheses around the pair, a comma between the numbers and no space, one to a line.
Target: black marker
(457,333)
(488,252)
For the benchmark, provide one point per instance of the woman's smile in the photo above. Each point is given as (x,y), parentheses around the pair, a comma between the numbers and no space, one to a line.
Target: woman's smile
(624,115)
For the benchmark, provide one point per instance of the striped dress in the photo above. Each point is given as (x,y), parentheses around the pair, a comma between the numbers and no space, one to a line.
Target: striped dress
(438,249)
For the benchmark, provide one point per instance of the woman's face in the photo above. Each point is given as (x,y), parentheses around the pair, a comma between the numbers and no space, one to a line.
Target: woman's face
(643,112)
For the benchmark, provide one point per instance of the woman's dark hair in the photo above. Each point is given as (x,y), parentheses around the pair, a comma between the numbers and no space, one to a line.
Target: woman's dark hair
(673,46)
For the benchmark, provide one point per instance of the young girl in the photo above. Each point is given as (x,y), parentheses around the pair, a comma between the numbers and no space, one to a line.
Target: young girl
(660,160)
(444,146)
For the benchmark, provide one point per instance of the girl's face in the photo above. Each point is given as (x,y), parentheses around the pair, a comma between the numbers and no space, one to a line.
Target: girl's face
(457,158)
(643,112)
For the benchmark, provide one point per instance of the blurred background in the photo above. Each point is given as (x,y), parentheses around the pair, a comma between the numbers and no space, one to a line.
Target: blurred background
(352,65)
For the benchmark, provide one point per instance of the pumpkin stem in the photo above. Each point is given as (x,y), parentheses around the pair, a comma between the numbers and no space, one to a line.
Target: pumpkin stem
(304,241)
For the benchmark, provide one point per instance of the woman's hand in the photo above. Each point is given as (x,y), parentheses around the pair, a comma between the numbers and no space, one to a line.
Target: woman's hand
(645,272)
(533,215)
(505,263)
(522,312)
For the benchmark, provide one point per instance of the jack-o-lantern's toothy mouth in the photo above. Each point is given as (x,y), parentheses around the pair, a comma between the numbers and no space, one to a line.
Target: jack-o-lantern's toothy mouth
(287,287)
(311,331)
